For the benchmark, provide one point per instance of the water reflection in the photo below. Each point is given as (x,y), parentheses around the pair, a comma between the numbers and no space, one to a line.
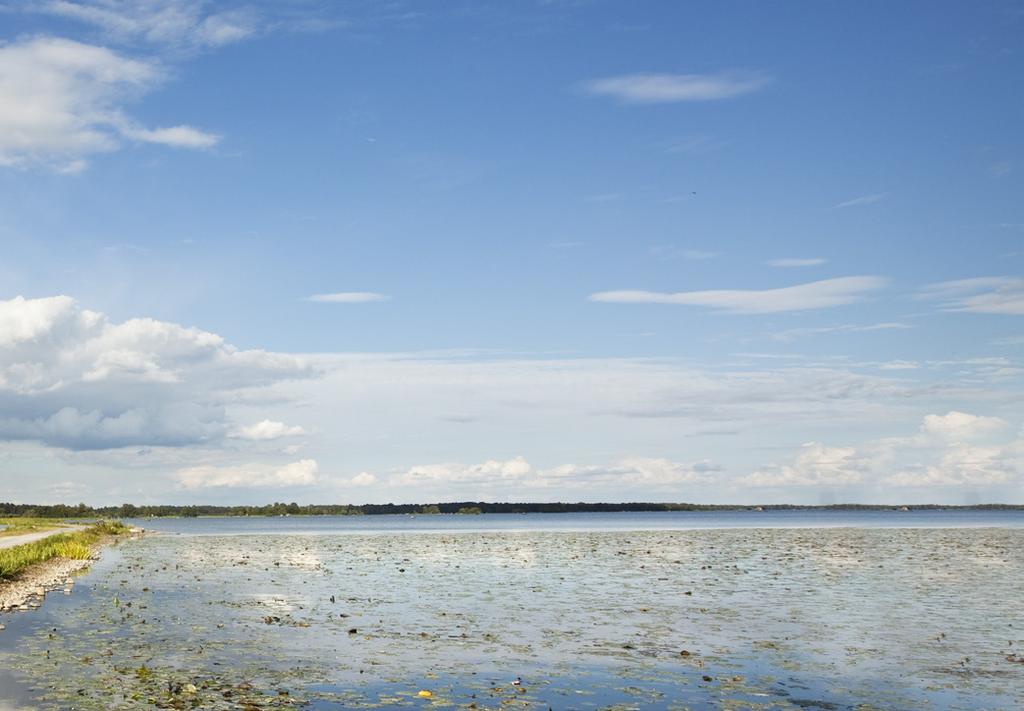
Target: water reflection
(742,618)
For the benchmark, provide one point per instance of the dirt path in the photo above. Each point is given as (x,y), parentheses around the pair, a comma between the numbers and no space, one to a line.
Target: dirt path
(11,541)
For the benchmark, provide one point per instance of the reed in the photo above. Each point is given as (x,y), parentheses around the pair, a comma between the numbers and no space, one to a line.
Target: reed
(77,545)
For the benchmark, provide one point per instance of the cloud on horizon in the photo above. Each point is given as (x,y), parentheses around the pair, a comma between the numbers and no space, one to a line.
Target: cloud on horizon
(950,441)
(186,412)
(300,473)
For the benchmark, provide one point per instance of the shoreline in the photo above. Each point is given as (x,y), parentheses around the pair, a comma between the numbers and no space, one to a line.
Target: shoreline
(28,589)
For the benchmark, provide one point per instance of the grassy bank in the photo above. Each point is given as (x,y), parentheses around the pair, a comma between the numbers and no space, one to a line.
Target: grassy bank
(76,545)
(16,526)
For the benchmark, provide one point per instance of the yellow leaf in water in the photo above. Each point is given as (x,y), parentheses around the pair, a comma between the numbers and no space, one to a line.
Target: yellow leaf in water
(425,694)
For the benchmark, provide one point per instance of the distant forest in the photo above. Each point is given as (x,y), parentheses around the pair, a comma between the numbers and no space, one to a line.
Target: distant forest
(463,507)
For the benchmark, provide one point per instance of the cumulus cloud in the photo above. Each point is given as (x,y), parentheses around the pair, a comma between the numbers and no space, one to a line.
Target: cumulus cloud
(300,473)
(983,295)
(363,479)
(71,378)
(943,453)
(348,297)
(671,88)
(801,297)
(966,465)
(815,465)
(267,430)
(62,100)
(486,472)
(161,22)
(962,426)
(170,424)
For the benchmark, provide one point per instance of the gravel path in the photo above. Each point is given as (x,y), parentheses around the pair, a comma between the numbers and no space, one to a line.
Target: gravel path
(11,541)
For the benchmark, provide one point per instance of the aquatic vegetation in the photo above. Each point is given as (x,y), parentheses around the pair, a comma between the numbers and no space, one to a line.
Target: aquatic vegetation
(813,618)
(77,545)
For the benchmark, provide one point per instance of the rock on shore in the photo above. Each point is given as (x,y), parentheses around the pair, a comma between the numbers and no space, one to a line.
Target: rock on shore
(28,590)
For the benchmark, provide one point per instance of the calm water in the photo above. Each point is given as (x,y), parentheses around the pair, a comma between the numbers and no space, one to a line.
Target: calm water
(641,521)
(877,610)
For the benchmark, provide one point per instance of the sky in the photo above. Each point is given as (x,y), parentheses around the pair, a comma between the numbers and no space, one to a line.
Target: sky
(521,250)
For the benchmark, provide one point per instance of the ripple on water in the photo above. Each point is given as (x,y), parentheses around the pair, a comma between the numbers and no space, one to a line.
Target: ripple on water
(743,618)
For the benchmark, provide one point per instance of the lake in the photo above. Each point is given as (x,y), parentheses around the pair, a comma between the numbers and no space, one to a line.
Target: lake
(708,610)
(596,521)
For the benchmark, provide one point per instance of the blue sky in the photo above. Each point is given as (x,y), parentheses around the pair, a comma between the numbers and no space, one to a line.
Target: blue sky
(385,251)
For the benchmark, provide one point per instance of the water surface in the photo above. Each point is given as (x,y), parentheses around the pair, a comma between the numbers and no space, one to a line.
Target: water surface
(590,521)
(644,611)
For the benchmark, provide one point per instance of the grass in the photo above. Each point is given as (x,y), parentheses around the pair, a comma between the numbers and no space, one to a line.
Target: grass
(17,526)
(77,545)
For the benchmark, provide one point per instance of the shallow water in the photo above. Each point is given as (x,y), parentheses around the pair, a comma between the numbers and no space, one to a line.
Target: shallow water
(588,522)
(836,618)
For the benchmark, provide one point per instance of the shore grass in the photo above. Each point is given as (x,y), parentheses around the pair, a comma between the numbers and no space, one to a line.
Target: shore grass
(16,526)
(77,545)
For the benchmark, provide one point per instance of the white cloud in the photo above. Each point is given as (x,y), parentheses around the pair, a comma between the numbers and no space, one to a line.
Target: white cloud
(899,365)
(92,399)
(965,465)
(348,297)
(642,471)
(363,479)
(486,472)
(267,430)
(61,100)
(176,136)
(786,262)
(945,440)
(962,426)
(161,22)
(814,295)
(300,473)
(815,465)
(983,295)
(71,378)
(670,88)
(633,471)
(862,200)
